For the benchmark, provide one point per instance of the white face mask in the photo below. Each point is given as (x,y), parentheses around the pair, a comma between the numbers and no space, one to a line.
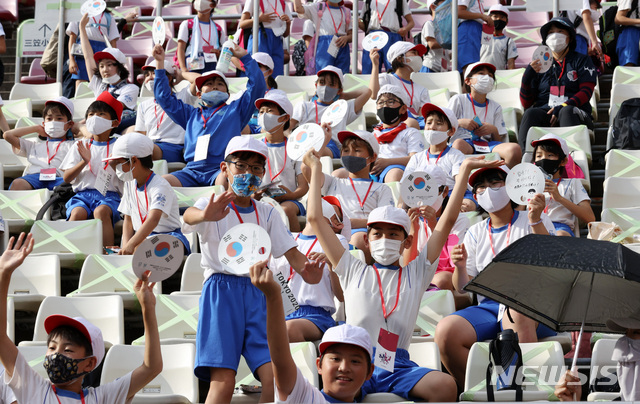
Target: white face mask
(269,122)
(149,84)
(435,136)
(385,250)
(55,129)
(124,177)
(493,199)
(484,84)
(111,79)
(557,41)
(202,5)
(97,125)
(414,62)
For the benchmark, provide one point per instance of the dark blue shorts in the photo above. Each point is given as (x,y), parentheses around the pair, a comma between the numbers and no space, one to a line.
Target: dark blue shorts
(562,226)
(405,376)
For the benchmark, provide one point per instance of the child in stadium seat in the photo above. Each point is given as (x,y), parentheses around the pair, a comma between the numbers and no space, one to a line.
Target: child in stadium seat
(497,48)
(45,153)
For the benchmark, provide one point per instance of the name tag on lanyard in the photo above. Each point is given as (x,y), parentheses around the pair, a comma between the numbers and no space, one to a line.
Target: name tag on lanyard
(556,96)
(386,350)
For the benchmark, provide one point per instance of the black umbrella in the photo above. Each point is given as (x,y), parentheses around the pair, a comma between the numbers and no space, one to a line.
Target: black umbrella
(566,283)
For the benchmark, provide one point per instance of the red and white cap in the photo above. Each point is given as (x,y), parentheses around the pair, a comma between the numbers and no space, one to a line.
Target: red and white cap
(278,97)
(168,66)
(391,215)
(499,8)
(206,76)
(131,145)
(401,47)
(476,173)
(360,134)
(397,91)
(335,70)
(327,211)
(65,103)
(107,98)
(90,331)
(478,65)
(246,143)
(550,137)
(453,120)
(110,53)
(264,59)
(347,334)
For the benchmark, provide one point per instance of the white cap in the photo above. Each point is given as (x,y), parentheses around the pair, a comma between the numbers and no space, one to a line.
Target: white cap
(436,173)
(64,101)
(334,70)
(347,334)
(246,143)
(168,66)
(390,214)
(279,97)
(453,119)
(110,53)
(361,134)
(624,323)
(90,331)
(499,8)
(477,65)
(263,59)
(402,47)
(395,90)
(553,138)
(130,145)
(206,76)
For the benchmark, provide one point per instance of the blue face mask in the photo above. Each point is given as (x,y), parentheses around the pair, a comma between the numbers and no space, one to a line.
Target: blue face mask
(214,98)
(245,184)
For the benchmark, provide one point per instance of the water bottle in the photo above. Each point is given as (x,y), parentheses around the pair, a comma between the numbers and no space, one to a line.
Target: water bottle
(224,61)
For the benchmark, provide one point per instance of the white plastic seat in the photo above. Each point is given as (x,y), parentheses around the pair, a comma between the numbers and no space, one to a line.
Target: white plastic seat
(278,208)
(83,91)
(20,208)
(12,164)
(105,312)
(39,93)
(627,218)
(36,278)
(295,84)
(359,254)
(176,384)
(621,193)
(192,276)
(188,196)
(25,121)
(177,319)
(538,384)
(435,81)
(160,167)
(426,354)
(439,97)
(237,84)
(15,109)
(395,190)
(34,355)
(508,98)
(354,82)
(80,106)
(622,163)
(509,78)
(434,306)
(70,241)
(602,365)
(623,75)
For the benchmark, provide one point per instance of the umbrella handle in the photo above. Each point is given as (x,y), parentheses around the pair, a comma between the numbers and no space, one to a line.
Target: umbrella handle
(575,354)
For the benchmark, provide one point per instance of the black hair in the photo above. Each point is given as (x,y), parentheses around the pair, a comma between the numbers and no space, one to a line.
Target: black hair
(53,106)
(101,106)
(147,161)
(169,76)
(369,228)
(246,155)
(123,72)
(550,147)
(490,175)
(271,82)
(72,335)
(332,74)
(396,64)
(368,358)
(440,115)
(280,110)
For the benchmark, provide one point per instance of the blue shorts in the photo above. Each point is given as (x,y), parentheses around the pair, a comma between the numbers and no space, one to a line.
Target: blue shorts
(96,46)
(269,43)
(335,149)
(171,152)
(232,322)
(380,177)
(366,60)
(358,230)
(492,144)
(565,227)
(197,175)
(469,41)
(323,59)
(405,376)
(317,315)
(301,210)
(425,69)
(627,47)
(582,45)
(90,199)
(177,234)
(420,119)
(484,319)
(34,181)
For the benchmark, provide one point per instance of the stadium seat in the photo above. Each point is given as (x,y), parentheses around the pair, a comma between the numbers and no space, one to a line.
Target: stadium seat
(105,312)
(278,208)
(80,106)
(34,355)
(508,98)
(188,196)
(619,94)
(177,319)
(527,19)
(31,282)
(160,167)
(622,163)
(237,84)
(395,190)
(603,366)
(538,384)
(509,78)
(176,384)
(9,10)
(359,254)
(523,36)
(143,30)
(13,110)
(440,97)
(12,164)
(623,75)
(183,9)
(621,193)
(436,81)
(136,48)
(72,242)
(19,208)
(38,93)
(145,6)
(192,276)
(296,84)
(434,306)
(83,91)
(525,55)
(627,218)
(29,121)
(354,82)
(36,74)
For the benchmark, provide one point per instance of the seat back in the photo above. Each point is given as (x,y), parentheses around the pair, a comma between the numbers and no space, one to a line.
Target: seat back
(38,275)
(20,208)
(436,81)
(72,241)
(192,274)
(434,306)
(177,318)
(621,193)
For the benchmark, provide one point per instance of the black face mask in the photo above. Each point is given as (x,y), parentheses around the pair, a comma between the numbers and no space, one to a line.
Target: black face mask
(499,24)
(549,166)
(389,115)
(353,164)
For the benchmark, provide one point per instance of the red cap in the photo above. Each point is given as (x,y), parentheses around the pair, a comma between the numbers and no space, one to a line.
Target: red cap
(112,102)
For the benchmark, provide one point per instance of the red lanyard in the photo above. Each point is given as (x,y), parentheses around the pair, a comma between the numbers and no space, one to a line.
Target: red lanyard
(383,11)
(384,308)
(155,112)
(291,271)
(89,148)
(98,23)
(361,202)
(486,107)
(562,71)
(58,398)
(546,208)
(204,125)
(255,209)
(275,6)
(146,198)
(284,162)
(333,21)
(200,27)
(406,90)
(316,103)
(439,155)
(54,154)
(508,234)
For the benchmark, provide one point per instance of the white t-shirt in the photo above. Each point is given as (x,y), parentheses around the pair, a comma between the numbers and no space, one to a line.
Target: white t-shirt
(96,32)
(479,245)
(449,160)
(489,112)
(318,295)
(270,6)
(371,194)
(571,189)
(474,8)
(626,5)
(210,233)
(363,306)
(285,172)
(311,111)
(303,392)
(408,141)
(87,177)
(595,14)
(38,152)
(30,387)
(208,32)
(383,14)
(138,201)
(419,95)
(125,93)
(332,18)
(497,50)
(152,119)
(6,394)
(436,59)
